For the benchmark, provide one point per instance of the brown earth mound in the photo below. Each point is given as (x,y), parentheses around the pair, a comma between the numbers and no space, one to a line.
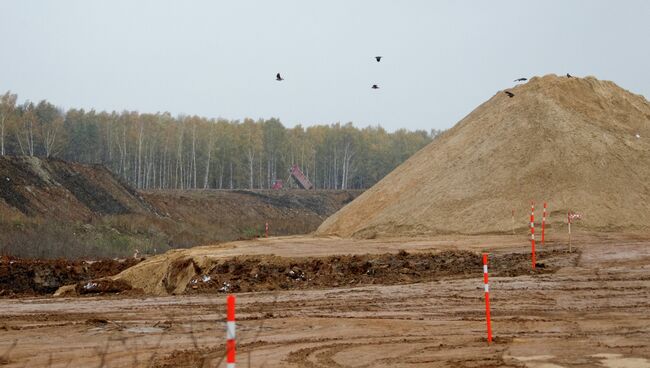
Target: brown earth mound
(579,144)
(246,274)
(266,273)
(231,215)
(19,277)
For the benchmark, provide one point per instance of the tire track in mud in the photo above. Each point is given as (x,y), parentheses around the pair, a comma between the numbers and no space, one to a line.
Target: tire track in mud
(439,323)
(522,318)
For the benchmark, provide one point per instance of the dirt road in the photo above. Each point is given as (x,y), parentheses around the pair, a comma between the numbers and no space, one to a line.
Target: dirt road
(592,311)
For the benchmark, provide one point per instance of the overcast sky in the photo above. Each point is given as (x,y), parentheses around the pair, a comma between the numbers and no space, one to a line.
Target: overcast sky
(219,58)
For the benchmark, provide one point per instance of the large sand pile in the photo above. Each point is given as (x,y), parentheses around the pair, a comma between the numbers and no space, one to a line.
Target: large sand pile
(569,141)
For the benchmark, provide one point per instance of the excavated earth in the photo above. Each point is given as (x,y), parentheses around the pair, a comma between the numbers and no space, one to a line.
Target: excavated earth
(50,208)
(579,144)
(23,277)
(287,263)
(587,308)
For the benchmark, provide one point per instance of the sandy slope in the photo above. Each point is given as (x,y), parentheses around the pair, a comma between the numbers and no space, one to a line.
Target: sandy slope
(570,142)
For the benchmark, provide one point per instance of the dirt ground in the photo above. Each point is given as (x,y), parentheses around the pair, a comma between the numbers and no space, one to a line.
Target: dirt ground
(590,308)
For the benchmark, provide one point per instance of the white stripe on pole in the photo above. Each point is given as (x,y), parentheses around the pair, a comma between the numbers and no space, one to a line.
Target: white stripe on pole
(230,330)
(487,288)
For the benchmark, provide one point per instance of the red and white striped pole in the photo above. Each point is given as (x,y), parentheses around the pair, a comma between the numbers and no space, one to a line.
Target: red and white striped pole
(487,298)
(543,223)
(532,231)
(266,230)
(230,332)
(568,220)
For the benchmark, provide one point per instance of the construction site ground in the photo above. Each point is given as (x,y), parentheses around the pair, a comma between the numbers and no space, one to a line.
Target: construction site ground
(587,308)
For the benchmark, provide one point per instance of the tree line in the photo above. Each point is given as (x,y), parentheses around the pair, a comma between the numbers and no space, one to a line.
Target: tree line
(160,151)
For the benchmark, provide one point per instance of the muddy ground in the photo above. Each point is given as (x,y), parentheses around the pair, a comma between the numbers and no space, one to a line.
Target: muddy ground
(591,310)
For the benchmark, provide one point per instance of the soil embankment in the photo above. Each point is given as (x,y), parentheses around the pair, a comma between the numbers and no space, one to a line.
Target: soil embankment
(24,277)
(55,209)
(242,214)
(297,262)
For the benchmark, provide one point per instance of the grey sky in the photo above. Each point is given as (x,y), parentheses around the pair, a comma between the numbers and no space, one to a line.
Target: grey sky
(219,58)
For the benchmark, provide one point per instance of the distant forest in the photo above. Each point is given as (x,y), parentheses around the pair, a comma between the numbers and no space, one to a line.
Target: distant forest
(159,151)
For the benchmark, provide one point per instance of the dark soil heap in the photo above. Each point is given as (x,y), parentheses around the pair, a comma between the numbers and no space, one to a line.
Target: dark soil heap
(63,190)
(51,208)
(20,277)
(579,144)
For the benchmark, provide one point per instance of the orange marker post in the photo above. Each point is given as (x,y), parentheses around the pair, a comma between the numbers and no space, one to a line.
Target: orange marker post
(543,223)
(568,220)
(486,286)
(532,231)
(230,332)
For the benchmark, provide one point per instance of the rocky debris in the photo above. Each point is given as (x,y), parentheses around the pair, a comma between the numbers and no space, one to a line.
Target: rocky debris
(102,286)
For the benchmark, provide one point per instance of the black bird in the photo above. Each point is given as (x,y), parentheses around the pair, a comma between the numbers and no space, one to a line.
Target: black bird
(278,77)
(521,79)
(568,75)
(510,94)
(378,58)
(374,86)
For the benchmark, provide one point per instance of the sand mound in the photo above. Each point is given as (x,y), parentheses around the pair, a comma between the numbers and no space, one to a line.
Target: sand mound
(569,141)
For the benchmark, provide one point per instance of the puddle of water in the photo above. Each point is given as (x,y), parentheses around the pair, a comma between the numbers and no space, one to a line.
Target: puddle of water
(537,361)
(534,357)
(617,361)
(144,329)
(607,356)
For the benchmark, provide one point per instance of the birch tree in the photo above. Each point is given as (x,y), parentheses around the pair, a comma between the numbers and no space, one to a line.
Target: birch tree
(7,107)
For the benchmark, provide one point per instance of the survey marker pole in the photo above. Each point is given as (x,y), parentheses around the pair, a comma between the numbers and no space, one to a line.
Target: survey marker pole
(486,286)
(568,219)
(532,232)
(543,223)
(230,332)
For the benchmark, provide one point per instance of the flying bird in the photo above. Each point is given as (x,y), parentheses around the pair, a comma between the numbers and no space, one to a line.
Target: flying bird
(521,79)
(510,94)
(278,77)
(374,86)
(378,58)
(568,75)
